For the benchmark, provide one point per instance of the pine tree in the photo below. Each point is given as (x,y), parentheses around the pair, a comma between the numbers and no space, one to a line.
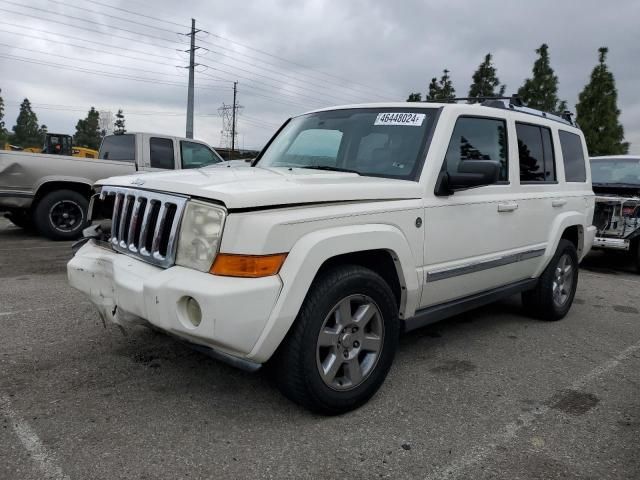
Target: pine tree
(441,90)
(3,131)
(434,90)
(598,114)
(541,90)
(88,130)
(485,80)
(26,130)
(415,97)
(119,128)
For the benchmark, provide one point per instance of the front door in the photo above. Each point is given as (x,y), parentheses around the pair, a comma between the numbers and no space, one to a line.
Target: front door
(473,238)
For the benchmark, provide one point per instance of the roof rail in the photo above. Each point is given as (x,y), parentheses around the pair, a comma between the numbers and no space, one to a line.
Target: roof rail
(514,103)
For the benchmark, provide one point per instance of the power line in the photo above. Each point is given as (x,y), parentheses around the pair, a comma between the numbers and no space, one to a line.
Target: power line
(91,30)
(341,79)
(109,65)
(48,12)
(121,19)
(99,72)
(136,13)
(120,55)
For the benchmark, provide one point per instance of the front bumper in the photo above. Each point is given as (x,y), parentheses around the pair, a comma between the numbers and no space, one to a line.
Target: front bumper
(589,239)
(612,243)
(125,291)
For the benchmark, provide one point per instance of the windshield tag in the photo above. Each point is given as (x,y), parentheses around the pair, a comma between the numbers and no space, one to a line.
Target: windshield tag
(400,119)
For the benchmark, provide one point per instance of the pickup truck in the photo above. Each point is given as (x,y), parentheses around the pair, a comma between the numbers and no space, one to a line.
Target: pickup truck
(51,192)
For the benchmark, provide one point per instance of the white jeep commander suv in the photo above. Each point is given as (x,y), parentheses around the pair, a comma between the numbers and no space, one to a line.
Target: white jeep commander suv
(354,224)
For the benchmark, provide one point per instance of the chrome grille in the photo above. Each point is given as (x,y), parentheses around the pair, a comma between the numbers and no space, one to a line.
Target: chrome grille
(145,224)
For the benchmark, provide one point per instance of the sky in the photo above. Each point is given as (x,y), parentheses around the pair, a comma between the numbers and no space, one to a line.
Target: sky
(291,56)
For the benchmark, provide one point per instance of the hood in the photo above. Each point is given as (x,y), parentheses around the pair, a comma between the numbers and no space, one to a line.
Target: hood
(250,187)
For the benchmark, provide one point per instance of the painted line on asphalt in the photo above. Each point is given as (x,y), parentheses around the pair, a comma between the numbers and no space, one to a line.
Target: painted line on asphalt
(511,430)
(17,312)
(30,441)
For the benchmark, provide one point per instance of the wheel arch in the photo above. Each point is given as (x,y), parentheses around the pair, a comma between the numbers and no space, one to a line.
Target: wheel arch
(569,226)
(383,248)
(80,185)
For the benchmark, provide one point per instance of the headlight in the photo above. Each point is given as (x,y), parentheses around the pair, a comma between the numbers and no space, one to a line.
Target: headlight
(200,235)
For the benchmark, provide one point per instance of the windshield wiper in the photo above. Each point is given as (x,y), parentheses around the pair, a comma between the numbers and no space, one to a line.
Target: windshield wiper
(330,168)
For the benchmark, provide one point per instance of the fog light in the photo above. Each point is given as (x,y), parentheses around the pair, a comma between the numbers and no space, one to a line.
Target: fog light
(194,314)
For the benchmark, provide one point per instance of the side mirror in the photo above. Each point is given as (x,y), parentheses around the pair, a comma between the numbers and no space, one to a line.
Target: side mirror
(471,173)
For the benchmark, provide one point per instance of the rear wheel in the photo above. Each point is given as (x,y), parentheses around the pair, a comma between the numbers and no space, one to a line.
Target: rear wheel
(635,251)
(551,299)
(61,215)
(342,344)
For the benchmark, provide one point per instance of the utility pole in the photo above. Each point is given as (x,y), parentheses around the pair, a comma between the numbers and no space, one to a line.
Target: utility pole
(234,119)
(192,68)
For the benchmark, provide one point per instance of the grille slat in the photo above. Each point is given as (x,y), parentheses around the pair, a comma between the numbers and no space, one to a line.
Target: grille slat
(145,224)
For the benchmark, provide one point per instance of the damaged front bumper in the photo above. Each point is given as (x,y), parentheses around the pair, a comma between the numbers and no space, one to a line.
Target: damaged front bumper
(234,311)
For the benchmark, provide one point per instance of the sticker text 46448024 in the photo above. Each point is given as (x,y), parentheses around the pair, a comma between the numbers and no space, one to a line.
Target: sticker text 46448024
(400,119)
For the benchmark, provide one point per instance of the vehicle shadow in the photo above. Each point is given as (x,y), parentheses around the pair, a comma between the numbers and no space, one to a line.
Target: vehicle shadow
(609,262)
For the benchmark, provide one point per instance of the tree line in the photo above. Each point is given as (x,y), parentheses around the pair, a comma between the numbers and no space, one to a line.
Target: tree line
(597,111)
(27,132)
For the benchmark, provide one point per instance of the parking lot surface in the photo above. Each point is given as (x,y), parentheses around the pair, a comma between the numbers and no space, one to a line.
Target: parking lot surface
(489,394)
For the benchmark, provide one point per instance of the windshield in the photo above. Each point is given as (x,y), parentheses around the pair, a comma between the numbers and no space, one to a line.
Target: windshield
(386,142)
(625,171)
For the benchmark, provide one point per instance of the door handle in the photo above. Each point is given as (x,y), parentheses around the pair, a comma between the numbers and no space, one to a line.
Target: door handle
(560,202)
(507,207)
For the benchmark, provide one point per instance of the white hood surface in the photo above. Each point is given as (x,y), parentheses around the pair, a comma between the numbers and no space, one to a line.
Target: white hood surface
(250,187)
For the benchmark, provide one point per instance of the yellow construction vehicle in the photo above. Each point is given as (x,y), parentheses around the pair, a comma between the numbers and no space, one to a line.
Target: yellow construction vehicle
(58,144)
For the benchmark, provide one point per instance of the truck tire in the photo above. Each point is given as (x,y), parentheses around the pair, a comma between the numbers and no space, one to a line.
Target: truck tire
(552,297)
(20,218)
(342,343)
(636,254)
(61,215)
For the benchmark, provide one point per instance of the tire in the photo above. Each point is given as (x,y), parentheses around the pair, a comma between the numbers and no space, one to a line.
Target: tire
(541,302)
(304,353)
(61,215)
(21,218)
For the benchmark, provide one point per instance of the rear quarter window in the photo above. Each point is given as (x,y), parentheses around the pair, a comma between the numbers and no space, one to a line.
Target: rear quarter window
(573,157)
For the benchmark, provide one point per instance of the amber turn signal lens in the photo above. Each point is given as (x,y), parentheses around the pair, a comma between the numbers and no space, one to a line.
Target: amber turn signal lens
(248,266)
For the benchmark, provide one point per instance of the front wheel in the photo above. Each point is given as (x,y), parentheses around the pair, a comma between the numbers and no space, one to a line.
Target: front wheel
(552,297)
(342,344)
(61,215)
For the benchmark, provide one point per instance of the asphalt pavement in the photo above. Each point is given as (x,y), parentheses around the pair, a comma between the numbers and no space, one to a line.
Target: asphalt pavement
(491,394)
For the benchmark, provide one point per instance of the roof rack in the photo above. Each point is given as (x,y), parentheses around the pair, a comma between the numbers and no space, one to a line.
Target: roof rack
(515,103)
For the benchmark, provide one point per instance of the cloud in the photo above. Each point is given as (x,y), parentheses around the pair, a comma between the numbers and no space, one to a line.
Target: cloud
(357,50)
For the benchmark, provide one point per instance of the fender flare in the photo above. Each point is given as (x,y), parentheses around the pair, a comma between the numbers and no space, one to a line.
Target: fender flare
(310,252)
(60,179)
(559,225)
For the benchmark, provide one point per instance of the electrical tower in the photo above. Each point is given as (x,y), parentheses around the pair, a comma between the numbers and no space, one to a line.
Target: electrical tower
(229,114)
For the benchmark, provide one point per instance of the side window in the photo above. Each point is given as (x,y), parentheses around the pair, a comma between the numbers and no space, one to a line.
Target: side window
(196,155)
(535,149)
(161,153)
(573,157)
(478,139)
(121,148)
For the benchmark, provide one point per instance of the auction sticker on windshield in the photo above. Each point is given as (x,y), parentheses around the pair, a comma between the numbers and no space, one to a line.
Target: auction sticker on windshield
(399,118)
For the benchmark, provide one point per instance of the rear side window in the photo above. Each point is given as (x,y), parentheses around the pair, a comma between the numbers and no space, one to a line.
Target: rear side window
(161,153)
(478,139)
(573,157)
(535,150)
(121,148)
